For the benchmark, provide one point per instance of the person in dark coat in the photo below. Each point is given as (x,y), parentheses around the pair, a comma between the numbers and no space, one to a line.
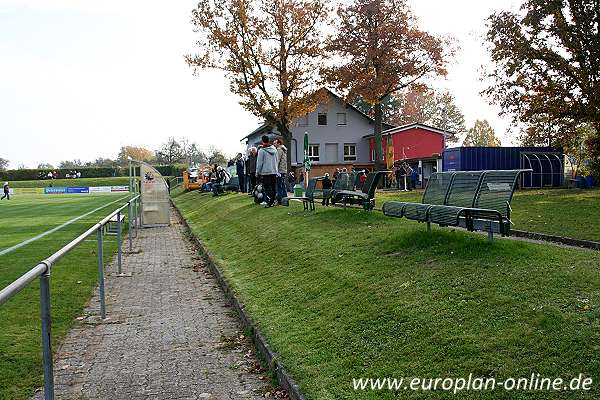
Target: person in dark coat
(6,189)
(239,169)
(327,186)
(251,169)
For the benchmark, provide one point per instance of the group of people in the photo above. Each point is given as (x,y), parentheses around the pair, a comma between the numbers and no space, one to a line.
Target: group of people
(406,176)
(266,164)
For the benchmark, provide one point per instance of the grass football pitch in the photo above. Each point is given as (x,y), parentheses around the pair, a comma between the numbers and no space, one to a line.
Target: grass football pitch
(73,278)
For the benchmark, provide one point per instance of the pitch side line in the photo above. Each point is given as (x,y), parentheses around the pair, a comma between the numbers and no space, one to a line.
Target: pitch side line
(41,235)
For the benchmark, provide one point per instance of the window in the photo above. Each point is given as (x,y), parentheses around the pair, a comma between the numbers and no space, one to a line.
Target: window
(303,120)
(313,152)
(322,119)
(341,118)
(349,152)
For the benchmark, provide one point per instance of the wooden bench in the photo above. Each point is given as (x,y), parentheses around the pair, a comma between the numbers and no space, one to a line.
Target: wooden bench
(474,200)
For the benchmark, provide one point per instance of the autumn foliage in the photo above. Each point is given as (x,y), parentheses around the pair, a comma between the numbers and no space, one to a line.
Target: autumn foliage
(378,49)
(547,68)
(269,49)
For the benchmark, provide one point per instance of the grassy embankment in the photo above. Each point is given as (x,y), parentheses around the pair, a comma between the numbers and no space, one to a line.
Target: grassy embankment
(343,294)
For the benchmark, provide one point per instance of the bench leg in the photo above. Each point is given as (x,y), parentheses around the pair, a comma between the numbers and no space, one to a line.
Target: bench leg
(490,236)
(428,226)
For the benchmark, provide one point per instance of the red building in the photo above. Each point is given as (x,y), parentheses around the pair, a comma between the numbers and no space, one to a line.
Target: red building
(421,146)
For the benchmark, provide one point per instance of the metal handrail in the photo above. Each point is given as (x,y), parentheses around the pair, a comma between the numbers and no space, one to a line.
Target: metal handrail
(43,268)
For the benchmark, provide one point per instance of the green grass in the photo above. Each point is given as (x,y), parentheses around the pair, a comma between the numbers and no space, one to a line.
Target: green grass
(72,280)
(563,212)
(109,181)
(343,294)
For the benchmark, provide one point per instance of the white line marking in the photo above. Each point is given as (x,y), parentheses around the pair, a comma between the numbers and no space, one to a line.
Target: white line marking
(41,235)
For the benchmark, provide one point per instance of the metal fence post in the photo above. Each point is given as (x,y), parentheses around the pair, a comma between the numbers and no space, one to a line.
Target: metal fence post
(101,274)
(46,335)
(119,242)
(129,225)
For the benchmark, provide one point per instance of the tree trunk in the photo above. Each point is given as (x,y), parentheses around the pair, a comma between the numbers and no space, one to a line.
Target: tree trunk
(379,165)
(287,141)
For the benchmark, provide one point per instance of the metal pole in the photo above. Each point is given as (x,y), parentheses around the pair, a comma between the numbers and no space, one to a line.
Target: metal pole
(119,241)
(130,181)
(129,226)
(46,335)
(101,274)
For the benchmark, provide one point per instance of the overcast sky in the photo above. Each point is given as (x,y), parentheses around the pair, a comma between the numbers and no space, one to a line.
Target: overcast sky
(79,79)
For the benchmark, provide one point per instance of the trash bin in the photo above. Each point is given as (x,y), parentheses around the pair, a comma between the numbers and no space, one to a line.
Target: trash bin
(589,182)
(580,182)
(298,190)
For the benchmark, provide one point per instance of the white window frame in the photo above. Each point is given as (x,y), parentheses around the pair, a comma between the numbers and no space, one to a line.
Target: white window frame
(347,155)
(338,119)
(319,122)
(311,155)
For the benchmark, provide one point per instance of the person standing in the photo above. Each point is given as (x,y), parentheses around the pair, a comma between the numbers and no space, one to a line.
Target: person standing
(327,186)
(6,191)
(239,169)
(413,178)
(281,169)
(267,170)
(251,169)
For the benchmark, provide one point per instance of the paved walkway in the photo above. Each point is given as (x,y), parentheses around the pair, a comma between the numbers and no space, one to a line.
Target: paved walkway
(170,334)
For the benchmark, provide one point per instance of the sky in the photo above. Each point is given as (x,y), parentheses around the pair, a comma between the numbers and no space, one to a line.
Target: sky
(79,79)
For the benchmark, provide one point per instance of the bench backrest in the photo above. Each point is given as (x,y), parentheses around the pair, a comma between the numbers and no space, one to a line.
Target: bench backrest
(464,188)
(437,188)
(344,181)
(311,188)
(370,185)
(496,191)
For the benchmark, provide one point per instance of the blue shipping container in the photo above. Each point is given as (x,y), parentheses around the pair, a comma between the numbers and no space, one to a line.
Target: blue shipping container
(546,162)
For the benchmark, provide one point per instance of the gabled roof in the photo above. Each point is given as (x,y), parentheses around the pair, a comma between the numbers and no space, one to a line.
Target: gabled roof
(350,105)
(265,127)
(412,126)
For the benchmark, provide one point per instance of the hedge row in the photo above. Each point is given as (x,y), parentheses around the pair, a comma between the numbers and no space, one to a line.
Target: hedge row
(94,172)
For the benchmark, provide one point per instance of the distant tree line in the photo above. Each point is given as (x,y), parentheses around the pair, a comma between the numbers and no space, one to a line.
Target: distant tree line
(172,152)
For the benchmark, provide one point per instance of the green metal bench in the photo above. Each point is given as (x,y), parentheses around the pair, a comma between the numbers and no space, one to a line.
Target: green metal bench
(233,184)
(365,197)
(476,201)
(344,181)
(308,200)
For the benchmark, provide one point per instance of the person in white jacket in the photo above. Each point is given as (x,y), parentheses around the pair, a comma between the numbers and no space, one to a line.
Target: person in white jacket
(267,170)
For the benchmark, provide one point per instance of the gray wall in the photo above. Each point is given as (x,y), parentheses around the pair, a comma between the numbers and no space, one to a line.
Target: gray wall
(357,125)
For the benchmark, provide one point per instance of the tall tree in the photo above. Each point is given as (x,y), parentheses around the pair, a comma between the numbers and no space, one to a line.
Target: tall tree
(547,67)
(45,166)
(192,154)
(171,152)
(76,163)
(423,105)
(481,134)
(136,152)
(3,164)
(269,49)
(216,156)
(379,50)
